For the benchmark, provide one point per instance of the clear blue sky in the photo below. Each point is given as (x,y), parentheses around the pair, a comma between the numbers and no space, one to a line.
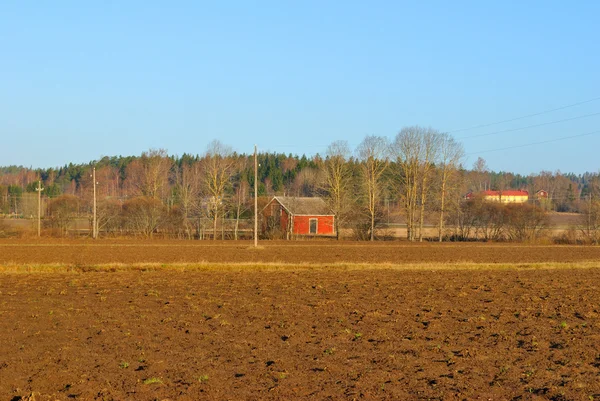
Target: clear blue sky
(83,79)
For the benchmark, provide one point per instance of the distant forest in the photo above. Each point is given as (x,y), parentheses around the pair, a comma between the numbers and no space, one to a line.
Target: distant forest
(417,178)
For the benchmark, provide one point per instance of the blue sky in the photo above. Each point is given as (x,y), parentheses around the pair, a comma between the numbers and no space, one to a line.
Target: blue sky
(85,79)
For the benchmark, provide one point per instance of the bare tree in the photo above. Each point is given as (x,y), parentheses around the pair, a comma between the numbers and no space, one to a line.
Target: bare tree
(336,180)
(373,153)
(430,150)
(418,152)
(108,181)
(524,222)
(62,212)
(502,182)
(565,192)
(450,155)
(149,174)
(491,219)
(239,203)
(144,215)
(407,149)
(590,218)
(482,171)
(218,168)
(187,191)
(307,182)
(545,180)
(108,213)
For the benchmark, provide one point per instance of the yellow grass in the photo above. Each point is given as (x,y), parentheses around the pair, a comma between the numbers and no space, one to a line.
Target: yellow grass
(275,267)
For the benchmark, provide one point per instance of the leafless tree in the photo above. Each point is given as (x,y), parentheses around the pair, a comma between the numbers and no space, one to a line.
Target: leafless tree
(491,219)
(503,182)
(450,155)
(149,174)
(546,181)
(373,154)
(107,214)
(240,201)
(590,219)
(241,198)
(62,212)
(407,149)
(430,151)
(336,180)
(108,181)
(144,215)
(307,182)
(218,168)
(524,222)
(482,171)
(187,190)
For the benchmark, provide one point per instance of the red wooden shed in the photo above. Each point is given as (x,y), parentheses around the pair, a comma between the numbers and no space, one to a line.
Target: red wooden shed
(541,194)
(299,216)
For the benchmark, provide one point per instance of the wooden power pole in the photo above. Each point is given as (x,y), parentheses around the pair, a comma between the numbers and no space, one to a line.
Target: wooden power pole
(94,223)
(255,198)
(589,214)
(39,190)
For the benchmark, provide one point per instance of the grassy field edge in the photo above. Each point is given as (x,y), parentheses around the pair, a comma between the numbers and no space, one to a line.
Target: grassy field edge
(274,267)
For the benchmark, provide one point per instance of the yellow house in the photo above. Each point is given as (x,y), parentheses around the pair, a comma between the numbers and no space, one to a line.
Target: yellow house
(508,196)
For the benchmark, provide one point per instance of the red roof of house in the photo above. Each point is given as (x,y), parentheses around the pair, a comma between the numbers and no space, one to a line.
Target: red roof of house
(510,192)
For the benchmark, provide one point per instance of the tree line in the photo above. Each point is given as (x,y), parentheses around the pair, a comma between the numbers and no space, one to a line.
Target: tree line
(417,178)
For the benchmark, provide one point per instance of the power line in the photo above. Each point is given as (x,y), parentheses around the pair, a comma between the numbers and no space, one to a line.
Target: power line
(534,143)
(525,116)
(498,122)
(530,126)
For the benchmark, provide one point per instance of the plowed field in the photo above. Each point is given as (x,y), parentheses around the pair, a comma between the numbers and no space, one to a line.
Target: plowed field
(311,329)
(87,252)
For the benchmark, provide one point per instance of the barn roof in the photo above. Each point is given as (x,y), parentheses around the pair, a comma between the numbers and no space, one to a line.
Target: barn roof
(304,206)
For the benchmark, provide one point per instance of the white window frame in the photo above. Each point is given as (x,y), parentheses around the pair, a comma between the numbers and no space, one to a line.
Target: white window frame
(316,225)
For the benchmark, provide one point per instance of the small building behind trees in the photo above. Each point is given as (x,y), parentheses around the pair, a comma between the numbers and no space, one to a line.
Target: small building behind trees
(287,217)
(541,194)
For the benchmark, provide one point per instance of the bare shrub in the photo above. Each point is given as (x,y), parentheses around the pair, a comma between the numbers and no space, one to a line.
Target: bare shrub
(5,230)
(61,213)
(525,222)
(143,215)
(273,229)
(569,237)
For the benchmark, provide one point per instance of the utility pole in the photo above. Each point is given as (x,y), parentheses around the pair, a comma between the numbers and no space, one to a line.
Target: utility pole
(589,214)
(39,190)
(94,224)
(255,198)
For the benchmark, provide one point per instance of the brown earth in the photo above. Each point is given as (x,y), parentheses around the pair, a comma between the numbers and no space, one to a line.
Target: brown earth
(87,252)
(296,333)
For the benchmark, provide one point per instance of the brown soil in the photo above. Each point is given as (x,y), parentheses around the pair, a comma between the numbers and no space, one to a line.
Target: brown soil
(88,252)
(299,334)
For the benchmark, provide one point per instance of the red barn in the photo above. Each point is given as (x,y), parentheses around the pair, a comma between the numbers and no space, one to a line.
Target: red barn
(299,216)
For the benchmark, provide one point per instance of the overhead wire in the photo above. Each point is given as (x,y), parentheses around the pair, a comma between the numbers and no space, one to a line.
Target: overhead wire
(530,126)
(315,146)
(534,143)
(525,116)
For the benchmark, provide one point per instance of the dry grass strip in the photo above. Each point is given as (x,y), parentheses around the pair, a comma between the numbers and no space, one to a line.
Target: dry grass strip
(274,267)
